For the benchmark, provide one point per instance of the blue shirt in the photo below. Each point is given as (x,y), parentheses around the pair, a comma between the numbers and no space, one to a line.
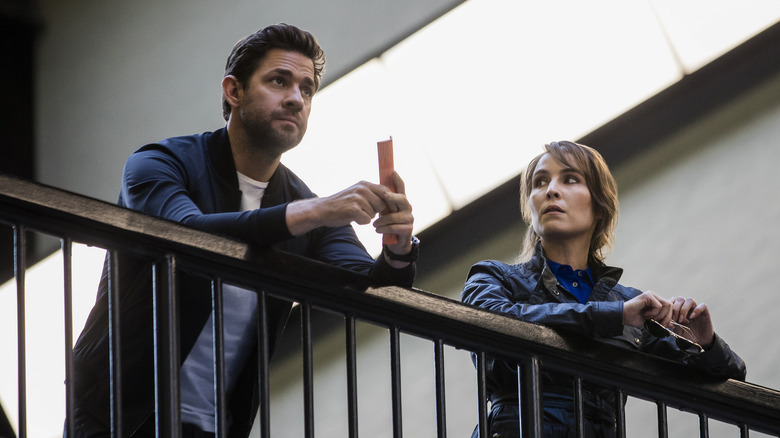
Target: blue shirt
(579,282)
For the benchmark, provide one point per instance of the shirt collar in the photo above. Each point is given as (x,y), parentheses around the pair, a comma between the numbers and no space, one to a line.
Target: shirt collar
(556,269)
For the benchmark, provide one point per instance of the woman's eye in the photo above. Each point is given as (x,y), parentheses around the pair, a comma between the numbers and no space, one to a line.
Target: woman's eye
(539,182)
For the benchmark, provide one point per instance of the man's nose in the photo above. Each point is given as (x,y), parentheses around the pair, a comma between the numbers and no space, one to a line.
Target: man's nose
(294,98)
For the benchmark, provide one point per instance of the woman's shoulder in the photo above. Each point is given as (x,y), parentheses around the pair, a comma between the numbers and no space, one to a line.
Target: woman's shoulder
(610,275)
(627,292)
(498,268)
(497,265)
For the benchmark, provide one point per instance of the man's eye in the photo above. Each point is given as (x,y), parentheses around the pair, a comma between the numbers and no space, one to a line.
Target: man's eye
(308,92)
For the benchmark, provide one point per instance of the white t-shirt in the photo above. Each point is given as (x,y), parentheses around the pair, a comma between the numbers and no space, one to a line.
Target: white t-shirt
(240,334)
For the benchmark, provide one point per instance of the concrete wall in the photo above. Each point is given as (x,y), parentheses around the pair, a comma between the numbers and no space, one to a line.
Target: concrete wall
(113,75)
(699,217)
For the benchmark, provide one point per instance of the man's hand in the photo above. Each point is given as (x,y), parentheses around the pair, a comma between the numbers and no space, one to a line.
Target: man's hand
(359,203)
(648,305)
(397,219)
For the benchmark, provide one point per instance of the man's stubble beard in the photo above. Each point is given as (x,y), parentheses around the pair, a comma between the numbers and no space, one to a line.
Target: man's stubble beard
(264,138)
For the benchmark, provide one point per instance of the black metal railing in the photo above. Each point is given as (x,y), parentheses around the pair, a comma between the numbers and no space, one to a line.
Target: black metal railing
(27,206)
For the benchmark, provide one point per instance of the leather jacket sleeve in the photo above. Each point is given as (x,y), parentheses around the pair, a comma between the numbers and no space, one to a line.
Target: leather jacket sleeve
(718,360)
(510,290)
(502,288)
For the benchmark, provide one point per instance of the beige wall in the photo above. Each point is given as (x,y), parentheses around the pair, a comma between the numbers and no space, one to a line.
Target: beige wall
(699,217)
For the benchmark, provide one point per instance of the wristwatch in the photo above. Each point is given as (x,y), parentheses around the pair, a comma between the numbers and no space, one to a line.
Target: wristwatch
(412,256)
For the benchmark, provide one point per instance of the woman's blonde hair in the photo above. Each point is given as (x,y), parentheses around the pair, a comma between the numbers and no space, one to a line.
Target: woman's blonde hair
(603,192)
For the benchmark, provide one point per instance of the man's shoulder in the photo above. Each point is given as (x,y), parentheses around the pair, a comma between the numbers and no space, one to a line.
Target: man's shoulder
(194,149)
(183,143)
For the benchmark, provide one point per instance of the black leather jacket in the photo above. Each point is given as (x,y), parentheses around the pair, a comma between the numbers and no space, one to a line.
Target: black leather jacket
(530,291)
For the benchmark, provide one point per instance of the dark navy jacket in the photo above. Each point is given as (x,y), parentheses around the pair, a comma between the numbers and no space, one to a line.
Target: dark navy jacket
(192,180)
(530,291)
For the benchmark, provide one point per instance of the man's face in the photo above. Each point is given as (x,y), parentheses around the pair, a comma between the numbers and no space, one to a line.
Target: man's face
(276,101)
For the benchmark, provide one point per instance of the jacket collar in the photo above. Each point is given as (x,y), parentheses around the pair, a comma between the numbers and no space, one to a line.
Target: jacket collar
(604,277)
(221,159)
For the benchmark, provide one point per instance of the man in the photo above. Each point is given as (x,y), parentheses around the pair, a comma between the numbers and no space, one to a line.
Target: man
(231,181)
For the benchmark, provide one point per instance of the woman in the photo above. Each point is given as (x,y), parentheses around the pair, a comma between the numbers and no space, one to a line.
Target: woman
(569,201)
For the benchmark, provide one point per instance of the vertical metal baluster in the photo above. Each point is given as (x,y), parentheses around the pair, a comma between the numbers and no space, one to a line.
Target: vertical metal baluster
(663,430)
(441,408)
(218,333)
(482,395)
(308,371)
(262,363)
(704,426)
(352,403)
(579,414)
(167,361)
(529,390)
(395,378)
(174,361)
(67,269)
(114,338)
(620,411)
(20,267)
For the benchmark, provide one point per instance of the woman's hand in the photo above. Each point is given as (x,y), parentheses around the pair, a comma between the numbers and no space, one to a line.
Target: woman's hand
(695,316)
(648,305)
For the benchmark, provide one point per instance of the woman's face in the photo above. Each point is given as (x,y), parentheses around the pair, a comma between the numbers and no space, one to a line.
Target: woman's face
(560,201)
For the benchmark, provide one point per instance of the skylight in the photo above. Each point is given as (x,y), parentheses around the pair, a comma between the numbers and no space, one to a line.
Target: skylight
(472,97)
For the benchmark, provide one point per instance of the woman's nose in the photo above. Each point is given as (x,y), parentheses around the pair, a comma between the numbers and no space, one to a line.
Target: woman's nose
(552,190)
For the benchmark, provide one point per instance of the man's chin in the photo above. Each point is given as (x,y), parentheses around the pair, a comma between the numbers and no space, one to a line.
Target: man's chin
(282,144)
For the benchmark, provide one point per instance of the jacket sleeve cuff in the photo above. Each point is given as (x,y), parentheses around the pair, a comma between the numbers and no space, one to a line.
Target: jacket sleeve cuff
(383,274)
(272,225)
(608,318)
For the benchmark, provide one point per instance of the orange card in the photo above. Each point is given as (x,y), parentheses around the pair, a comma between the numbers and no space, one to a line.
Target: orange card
(386,167)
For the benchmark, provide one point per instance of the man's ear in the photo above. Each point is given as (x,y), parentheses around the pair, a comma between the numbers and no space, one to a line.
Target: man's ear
(232,90)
